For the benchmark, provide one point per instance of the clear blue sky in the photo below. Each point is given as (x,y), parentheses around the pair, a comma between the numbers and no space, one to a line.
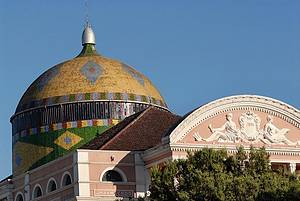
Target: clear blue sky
(193,51)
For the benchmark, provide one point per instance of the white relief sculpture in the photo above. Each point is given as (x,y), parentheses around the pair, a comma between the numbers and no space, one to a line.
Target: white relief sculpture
(197,136)
(227,132)
(276,135)
(250,124)
(248,132)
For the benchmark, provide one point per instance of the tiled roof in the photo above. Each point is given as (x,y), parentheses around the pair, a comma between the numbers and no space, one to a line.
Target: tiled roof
(140,131)
(178,122)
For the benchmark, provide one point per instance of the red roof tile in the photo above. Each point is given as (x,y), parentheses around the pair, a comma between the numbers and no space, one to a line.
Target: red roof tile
(140,131)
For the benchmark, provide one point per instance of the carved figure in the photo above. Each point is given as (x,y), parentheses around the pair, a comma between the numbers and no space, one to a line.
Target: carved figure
(249,131)
(227,132)
(276,135)
(197,136)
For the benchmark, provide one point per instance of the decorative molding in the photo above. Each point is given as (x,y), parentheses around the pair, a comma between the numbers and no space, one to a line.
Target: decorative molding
(233,149)
(96,96)
(113,193)
(108,163)
(228,104)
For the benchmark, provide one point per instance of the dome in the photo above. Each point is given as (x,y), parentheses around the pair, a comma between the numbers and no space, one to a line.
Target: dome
(74,102)
(92,77)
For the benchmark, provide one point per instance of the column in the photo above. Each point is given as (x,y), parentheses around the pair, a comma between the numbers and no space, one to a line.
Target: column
(81,173)
(141,175)
(26,187)
(292,167)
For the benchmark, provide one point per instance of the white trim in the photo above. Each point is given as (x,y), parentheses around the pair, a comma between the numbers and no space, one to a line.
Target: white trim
(233,148)
(108,182)
(75,173)
(107,163)
(33,192)
(63,176)
(284,161)
(83,174)
(47,188)
(106,151)
(19,193)
(124,178)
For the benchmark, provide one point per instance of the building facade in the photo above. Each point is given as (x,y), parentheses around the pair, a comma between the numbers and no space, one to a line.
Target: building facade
(92,127)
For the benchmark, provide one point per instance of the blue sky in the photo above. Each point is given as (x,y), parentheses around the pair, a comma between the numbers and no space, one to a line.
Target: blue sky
(193,51)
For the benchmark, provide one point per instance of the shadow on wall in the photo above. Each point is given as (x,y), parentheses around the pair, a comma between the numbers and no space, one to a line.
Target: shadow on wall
(123,177)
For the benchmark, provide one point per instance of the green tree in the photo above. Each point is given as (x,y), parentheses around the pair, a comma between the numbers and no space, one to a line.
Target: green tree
(216,175)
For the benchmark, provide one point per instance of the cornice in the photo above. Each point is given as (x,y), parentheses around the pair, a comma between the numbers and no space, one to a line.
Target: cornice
(233,149)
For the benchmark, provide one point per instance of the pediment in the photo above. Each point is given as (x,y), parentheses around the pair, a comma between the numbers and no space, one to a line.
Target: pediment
(247,120)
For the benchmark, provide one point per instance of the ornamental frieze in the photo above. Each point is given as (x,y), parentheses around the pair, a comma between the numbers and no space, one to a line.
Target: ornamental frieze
(249,130)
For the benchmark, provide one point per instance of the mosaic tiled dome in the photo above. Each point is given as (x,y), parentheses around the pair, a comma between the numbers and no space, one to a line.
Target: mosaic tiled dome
(75,101)
(90,77)
(93,78)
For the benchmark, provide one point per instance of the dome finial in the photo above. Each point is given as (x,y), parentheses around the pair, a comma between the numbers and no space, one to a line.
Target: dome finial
(88,36)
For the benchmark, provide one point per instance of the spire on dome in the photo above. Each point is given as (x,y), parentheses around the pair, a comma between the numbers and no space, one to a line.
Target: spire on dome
(88,41)
(88,36)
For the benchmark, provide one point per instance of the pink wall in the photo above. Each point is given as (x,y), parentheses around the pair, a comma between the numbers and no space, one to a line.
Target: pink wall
(41,176)
(101,161)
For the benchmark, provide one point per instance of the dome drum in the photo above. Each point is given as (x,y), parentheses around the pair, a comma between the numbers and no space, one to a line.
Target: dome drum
(42,116)
(96,96)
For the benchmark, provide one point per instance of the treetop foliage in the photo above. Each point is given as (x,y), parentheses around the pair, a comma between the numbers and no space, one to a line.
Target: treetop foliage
(215,175)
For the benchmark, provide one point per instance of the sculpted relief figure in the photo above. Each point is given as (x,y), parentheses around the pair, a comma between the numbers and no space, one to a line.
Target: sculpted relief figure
(227,132)
(248,132)
(276,135)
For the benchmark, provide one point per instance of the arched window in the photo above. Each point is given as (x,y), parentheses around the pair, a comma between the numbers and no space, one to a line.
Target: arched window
(113,175)
(19,197)
(37,192)
(66,179)
(51,185)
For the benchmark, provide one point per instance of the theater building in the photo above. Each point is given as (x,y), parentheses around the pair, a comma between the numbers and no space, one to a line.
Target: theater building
(91,128)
